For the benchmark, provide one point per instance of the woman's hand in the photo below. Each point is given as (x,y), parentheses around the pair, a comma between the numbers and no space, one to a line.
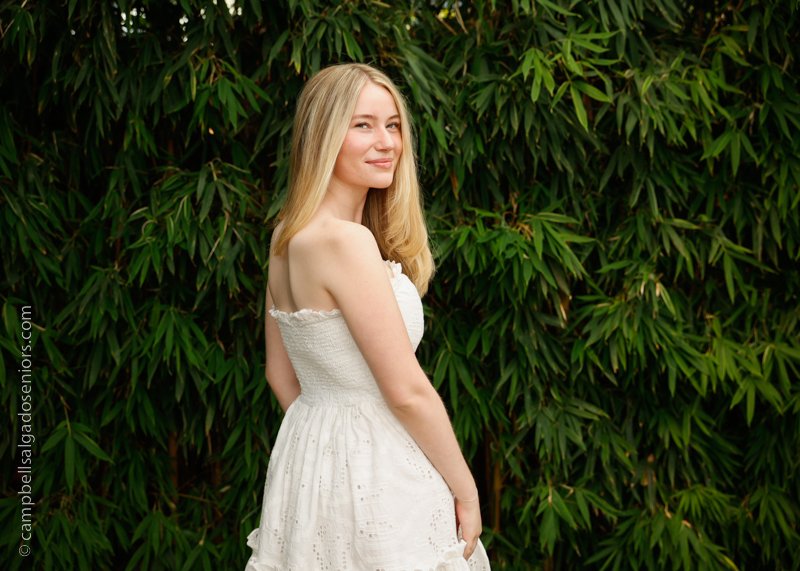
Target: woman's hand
(468,517)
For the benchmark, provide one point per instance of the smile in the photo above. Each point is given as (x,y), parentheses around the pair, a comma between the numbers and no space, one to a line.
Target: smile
(381,163)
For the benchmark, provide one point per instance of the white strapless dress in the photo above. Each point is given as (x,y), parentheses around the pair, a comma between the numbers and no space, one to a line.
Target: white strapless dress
(347,488)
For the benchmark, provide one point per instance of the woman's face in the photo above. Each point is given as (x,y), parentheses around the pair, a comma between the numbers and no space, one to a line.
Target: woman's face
(374,141)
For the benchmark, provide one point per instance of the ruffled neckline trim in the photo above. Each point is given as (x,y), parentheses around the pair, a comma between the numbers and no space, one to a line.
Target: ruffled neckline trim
(305,315)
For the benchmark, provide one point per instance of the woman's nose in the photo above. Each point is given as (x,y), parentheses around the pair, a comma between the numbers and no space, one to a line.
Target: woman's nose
(385,139)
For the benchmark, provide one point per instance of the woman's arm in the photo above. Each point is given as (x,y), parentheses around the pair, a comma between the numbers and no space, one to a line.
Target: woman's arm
(356,277)
(279,371)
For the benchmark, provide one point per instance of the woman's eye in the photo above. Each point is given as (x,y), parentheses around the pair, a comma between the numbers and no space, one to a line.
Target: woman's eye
(394,125)
(362,125)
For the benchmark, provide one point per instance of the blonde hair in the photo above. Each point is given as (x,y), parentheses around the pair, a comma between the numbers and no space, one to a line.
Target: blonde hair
(394,215)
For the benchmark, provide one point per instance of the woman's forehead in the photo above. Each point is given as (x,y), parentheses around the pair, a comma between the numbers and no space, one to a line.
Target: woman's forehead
(375,100)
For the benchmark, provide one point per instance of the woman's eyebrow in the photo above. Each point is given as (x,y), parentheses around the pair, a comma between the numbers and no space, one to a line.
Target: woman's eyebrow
(373,117)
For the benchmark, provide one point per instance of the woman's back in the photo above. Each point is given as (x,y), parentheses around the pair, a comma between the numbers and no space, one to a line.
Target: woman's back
(298,284)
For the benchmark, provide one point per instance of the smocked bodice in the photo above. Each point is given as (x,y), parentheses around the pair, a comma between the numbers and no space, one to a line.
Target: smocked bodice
(325,357)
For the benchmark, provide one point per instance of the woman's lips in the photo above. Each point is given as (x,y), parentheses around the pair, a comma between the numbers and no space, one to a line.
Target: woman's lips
(381,163)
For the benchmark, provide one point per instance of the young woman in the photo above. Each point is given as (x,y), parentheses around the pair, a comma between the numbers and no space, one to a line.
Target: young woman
(366,472)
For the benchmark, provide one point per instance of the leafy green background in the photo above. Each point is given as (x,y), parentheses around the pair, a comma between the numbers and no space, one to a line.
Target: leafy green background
(612,189)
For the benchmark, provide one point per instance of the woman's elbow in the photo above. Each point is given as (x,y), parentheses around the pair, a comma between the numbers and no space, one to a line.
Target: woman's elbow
(411,399)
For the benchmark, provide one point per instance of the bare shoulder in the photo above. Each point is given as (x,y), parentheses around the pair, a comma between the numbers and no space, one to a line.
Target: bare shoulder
(276,269)
(334,239)
(275,236)
(351,239)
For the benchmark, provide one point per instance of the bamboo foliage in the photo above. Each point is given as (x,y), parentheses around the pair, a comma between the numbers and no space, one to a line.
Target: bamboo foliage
(613,194)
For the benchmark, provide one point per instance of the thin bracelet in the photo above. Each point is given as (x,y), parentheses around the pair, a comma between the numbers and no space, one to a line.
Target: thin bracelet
(475,499)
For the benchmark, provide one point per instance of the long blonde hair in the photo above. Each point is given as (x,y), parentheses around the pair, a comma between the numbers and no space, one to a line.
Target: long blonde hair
(394,215)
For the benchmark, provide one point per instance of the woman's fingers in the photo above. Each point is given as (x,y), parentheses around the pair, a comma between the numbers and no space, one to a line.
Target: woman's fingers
(470,548)
(468,515)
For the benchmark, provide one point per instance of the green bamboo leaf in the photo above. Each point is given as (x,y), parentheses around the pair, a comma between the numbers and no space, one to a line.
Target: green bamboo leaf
(71,8)
(536,86)
(440,369)
(255,5)
(548,531)
(728,268)
(592,92)
(735,152)
(465,376)
(583,508)
(562,89)
(91,446)
(580,110)
(438,132)
(352,47)
(562,510)
(583,41)
(57,436)
(555,7)
(233,438)
(69,461)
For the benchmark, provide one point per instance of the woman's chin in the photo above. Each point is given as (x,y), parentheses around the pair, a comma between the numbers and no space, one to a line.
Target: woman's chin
(381,184)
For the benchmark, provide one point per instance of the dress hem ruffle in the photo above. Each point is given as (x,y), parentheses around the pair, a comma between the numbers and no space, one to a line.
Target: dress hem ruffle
(450,560)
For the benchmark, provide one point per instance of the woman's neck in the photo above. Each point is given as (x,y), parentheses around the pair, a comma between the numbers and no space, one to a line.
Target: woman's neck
(344,202)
